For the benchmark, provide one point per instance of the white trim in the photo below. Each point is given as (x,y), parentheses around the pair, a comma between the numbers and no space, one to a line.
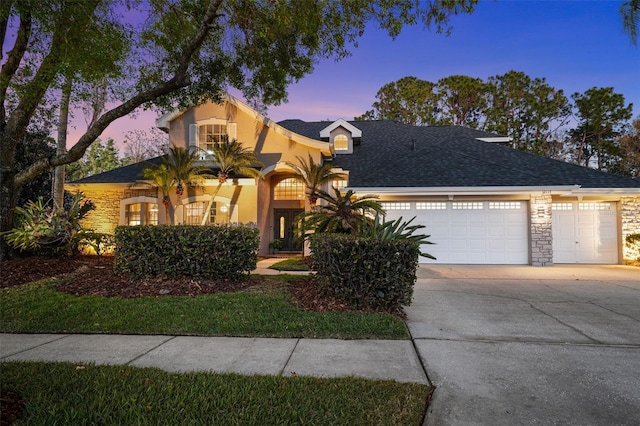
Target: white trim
(355,132)
(497,139)
(467,190)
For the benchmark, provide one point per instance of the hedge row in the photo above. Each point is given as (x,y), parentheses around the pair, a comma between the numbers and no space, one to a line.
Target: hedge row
(365,272)
(224,251)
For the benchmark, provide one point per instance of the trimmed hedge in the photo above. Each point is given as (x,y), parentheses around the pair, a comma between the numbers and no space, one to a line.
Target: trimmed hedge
(365,272)
(221,251)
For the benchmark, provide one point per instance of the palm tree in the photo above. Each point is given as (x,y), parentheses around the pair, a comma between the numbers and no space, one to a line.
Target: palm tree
(185,170)
(231,157)
(162,178)
(630,11)
(342,213)
(314,175)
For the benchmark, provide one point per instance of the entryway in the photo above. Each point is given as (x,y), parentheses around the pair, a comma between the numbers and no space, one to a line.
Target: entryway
(283,228)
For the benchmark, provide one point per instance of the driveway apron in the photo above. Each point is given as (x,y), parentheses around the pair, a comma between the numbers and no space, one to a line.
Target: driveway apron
(510,345)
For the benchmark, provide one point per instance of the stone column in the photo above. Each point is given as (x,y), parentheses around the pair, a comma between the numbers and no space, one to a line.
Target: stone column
(630,223)
(541,236)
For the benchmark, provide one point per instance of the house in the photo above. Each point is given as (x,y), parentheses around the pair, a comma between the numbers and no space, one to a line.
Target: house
(482,202)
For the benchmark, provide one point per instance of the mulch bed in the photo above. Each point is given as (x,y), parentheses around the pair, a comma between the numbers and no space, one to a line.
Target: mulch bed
(94,276)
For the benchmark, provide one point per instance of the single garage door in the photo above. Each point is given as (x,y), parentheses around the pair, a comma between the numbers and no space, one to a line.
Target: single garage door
(585,232)
(478,232)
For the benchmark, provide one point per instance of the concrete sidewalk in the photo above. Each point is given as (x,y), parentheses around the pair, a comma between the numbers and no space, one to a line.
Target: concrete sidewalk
(372,359)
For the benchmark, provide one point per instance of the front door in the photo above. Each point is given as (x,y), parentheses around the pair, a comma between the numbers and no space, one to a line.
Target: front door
(283,228)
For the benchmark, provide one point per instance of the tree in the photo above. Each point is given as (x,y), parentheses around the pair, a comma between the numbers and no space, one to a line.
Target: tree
(101,157)
(314,175)
(178,54)
(185,169)
(602,114)
(342,213)
(629,145)
(630,11)
(162,178)
(408,100)
(527,110)
(230,157)
(462,100)
(140,145)
(37,143)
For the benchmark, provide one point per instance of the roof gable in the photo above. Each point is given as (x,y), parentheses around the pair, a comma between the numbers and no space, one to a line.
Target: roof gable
(355,132)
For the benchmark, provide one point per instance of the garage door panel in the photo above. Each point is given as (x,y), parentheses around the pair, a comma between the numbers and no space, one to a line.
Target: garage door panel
(585,233)
(473,233)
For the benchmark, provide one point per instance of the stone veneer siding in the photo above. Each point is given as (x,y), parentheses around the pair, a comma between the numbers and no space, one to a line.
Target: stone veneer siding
(541,235)
(106,216)
(630,223)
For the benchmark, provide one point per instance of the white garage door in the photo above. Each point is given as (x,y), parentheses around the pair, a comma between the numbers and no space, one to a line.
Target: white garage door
(584,232)
(484,232)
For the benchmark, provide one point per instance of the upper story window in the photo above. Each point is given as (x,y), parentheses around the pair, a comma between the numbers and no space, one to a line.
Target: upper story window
(341,142)
(342,135)
(207,133)
(211,134)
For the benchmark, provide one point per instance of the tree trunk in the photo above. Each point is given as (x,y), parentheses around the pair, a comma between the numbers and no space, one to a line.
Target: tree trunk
(7,201)
(61,149)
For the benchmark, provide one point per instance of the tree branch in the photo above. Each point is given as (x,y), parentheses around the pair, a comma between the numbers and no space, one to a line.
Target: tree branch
(14,58)
(179,80)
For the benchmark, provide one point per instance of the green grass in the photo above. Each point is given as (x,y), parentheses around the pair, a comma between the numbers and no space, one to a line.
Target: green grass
(39,308)
(292,264)
(62,393)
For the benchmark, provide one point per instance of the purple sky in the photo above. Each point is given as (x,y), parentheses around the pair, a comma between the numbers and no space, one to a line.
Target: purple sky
(575,45)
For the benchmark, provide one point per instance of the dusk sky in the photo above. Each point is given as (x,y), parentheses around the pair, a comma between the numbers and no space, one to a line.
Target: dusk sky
(575,45)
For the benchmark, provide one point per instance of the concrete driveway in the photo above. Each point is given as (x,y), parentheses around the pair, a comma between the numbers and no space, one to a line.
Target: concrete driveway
(516,345)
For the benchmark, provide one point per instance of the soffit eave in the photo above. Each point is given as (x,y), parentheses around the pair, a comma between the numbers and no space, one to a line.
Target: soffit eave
(467,190)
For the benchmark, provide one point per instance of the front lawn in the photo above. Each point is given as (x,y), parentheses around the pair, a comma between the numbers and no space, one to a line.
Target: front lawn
(268,310)
(291,264)
(63,393)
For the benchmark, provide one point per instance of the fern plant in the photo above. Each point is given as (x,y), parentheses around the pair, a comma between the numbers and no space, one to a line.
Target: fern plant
(40,226)
(398,229)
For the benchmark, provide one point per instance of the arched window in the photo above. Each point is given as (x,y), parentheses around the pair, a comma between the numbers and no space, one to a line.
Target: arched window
(341,142)
(289,189)
(139,211)
(193,210)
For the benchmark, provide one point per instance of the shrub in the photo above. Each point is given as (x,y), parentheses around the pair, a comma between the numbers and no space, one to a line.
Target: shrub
(633,244)
(365,272)
(99,242)
(220,251)
(41,228)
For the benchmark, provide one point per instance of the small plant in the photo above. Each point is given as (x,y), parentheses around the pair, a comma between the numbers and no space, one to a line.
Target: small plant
(100,242)
(633,244)
(275,245)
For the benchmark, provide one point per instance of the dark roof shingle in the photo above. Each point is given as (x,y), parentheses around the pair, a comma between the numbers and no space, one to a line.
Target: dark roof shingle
(392,154)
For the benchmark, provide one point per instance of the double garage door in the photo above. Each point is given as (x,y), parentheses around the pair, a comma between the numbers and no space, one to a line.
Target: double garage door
(478,232)
(497,232)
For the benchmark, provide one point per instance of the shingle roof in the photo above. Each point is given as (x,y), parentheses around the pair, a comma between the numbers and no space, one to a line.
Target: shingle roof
(126,174)
(392,154)
(131,173)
